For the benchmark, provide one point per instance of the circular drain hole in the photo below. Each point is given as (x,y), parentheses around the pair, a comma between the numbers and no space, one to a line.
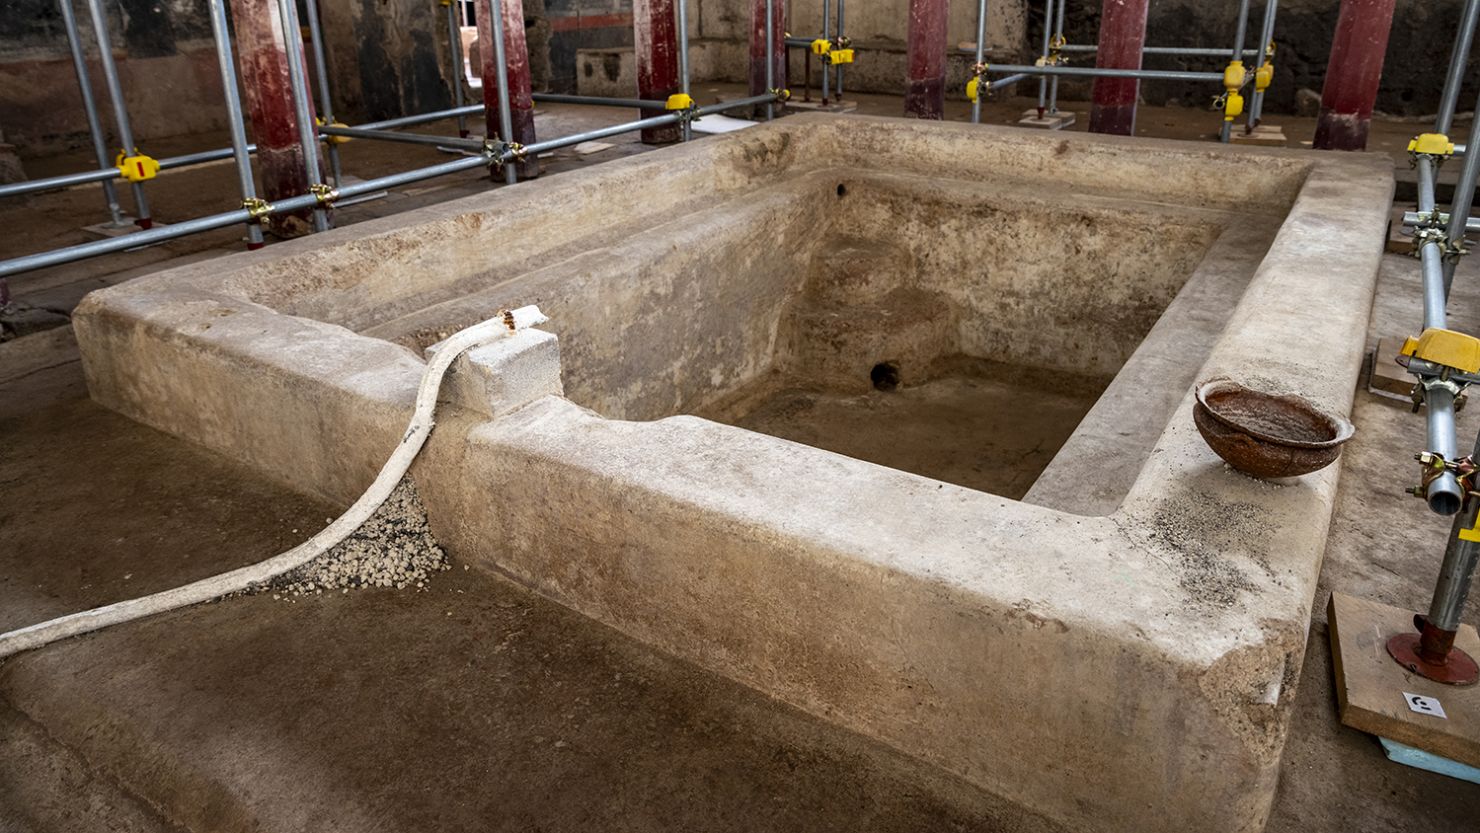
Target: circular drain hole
(885,376)
(842,190)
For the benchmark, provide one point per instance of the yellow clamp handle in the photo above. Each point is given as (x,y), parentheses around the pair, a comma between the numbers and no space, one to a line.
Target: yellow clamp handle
(821,46)
(1234,76)
(1233,106)
(781,94)
(1432,144)
(333,140)
(680,101)
(136,167)
(840,56)
(1264,76)
(1445,347)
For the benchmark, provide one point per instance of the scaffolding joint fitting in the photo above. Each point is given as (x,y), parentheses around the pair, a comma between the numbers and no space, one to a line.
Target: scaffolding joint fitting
(979,84)
(683,106)
(1231,103)
(1264,76)
(136,166)
(333,140)
(257,208)
(1436,145)
(780,93)
(324,193)
(1433,466)
(1234,76)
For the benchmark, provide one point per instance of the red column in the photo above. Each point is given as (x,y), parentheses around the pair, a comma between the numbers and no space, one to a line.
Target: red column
(655,34)
(1122,35)
(516,55)
(758,45)
(1352,74)
(925,82)
(262,54)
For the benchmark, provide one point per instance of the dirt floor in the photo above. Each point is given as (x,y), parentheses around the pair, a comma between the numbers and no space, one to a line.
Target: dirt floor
(476,705)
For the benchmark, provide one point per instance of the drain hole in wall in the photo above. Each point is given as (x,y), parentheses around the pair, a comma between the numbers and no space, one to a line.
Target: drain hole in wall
(842,190)
(885,376)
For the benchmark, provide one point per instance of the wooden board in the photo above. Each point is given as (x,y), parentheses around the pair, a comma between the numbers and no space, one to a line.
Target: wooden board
(1370,686)
(1387,375)
(1399,238)
(1267,135)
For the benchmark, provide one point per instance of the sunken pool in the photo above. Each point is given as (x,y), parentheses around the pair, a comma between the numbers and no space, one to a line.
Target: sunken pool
(889,420)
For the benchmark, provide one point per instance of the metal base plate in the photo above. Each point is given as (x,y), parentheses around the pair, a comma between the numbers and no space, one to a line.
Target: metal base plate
(1460,669)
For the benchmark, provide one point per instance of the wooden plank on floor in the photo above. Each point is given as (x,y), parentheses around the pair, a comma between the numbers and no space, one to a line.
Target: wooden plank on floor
(1387,374)
(1371,688)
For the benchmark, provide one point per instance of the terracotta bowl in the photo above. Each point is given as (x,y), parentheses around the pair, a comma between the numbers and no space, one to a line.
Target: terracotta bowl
(1267,435)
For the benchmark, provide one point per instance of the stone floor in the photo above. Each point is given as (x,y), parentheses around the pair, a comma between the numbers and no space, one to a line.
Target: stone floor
(477,705)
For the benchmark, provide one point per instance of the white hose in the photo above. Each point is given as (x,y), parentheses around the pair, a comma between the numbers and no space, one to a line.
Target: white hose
(36,636)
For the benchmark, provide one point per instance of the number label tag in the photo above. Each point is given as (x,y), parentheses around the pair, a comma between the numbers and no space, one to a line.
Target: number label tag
(1424,705)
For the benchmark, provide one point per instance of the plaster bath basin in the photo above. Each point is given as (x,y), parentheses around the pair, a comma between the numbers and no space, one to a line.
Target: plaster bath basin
(888,420)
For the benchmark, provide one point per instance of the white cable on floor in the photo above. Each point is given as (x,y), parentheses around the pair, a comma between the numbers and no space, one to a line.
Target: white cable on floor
(35,636)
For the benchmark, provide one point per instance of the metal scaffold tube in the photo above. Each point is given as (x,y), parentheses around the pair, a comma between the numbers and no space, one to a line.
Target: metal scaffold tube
(1266,49)
(1241,31)
(1459,209)
(1458,61)
(827,36)
(1104,72)
(501,156)
(680,10)
(1058,34)
(298,80)
(423,118)
(1188,51)
(455,58)
(321,72)
(405,138)
(771,57)
(501,74)
(635,103)
(109,173)
(1043,56)
(981,58)
(120,108)
(1443,493)
(90,107)
(842,39)
(224,57)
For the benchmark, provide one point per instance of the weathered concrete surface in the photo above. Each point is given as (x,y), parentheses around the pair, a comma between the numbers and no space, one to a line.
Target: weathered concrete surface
(917,613)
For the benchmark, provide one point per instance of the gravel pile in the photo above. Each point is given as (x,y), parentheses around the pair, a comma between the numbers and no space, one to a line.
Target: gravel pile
(394,548)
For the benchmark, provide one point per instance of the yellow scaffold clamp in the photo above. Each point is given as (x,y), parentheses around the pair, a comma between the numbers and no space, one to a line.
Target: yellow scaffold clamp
(1431,144)
(1232,102)
(136,167)
(1445,347)
(333,140)
(780,94)
(324,193)
(680,101)
(1056,43)
(1264,76)
(257,208)
(979,83)
(1234,76)
(1233,106)
(821,46)
(840,56)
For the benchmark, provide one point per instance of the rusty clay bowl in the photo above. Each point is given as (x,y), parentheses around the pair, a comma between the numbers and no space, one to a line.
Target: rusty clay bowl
(1267,435)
